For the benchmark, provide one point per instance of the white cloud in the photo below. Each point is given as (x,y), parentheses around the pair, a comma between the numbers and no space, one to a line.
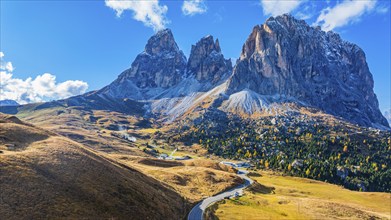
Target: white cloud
(9,67)
(193,7)
(344,13)
(5,65)
(43,88)
(149,11)
(279,7)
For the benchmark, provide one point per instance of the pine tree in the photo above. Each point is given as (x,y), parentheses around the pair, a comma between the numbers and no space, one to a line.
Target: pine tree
(266,164)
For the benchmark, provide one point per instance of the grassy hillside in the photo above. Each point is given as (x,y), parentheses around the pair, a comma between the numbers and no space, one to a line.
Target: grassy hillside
(194,179)
(274,196)
(44,175)
(94,129)
(101,174)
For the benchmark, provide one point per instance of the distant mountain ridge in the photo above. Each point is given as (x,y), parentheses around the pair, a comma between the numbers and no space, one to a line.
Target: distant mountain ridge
(283,61)
(8,102)
(163,70)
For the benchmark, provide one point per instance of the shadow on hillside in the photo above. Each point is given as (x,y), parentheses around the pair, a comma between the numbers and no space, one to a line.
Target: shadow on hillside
(259,188)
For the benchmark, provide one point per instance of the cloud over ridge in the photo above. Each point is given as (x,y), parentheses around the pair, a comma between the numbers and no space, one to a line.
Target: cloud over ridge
(344,13)
(279,7)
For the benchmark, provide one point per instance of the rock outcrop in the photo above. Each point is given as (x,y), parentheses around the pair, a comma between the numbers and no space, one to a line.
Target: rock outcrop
(161,65)
(283,61)
(207,63)
(287,58)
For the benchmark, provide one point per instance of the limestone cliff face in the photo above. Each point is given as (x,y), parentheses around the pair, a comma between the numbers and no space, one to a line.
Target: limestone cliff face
(206,62)
(287,58)
(162,70)
(283,60)
(161,64)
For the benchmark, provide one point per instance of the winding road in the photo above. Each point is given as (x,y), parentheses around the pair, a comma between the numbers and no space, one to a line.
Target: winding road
(197,212)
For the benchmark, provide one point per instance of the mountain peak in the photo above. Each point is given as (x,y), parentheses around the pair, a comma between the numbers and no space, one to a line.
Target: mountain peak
(164,32)
(283,60)
(285,19)
(162,41)
(283,23)
(286,57)
(161,65)
(208,44)
(206,61)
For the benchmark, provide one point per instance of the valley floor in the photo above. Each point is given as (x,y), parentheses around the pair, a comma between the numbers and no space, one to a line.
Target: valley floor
(114,161)
(274,196)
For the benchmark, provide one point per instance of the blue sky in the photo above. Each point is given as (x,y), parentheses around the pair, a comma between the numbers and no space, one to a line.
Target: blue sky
(54,49)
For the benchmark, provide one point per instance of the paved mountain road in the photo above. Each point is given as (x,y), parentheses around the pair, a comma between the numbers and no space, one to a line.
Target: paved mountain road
(198,211)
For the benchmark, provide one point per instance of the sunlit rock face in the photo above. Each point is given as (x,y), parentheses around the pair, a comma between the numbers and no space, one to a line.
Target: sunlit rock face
(283,60)
(288,58)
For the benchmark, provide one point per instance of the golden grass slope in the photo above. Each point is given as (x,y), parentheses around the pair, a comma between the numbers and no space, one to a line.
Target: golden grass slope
(194,179)
(90,128)
(15,137)
(52,177)
(282,197)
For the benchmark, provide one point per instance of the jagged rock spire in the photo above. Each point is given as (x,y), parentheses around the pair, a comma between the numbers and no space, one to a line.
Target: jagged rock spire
(161,65)
(162,41)
(207,62)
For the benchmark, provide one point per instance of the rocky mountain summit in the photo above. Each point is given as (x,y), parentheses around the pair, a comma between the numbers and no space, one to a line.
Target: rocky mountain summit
(286,58)
(285,65)
(283,60)
(206,62)
(163,71)
(160,65)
